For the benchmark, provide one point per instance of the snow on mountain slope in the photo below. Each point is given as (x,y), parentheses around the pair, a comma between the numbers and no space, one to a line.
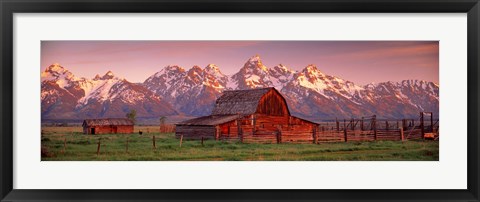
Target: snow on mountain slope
(280,75)
(66,96)
(191,92)
(309,92)
(253,74)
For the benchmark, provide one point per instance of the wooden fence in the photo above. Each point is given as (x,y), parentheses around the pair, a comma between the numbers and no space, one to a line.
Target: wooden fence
(362,129)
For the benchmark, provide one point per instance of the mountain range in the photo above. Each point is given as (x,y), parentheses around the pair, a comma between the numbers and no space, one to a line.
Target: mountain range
(173,90)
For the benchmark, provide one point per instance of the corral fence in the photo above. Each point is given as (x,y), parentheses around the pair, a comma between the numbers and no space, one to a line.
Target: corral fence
(370,129)
(367,128)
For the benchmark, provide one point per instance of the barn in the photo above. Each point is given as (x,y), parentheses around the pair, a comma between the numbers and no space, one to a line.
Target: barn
(107,126)
(256,115)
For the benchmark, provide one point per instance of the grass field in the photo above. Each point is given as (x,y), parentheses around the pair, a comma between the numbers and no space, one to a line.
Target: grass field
(80,147)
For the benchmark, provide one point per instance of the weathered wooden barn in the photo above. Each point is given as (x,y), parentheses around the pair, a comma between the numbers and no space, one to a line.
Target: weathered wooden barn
(107,126)
(257,115)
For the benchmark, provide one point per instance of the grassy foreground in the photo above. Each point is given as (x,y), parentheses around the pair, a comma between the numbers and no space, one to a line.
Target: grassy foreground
(80,147)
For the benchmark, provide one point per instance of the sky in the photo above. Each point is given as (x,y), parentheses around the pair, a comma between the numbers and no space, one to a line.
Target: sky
(361,62)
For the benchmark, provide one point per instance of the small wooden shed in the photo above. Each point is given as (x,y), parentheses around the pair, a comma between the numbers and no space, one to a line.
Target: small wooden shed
(107,126)
(257,115)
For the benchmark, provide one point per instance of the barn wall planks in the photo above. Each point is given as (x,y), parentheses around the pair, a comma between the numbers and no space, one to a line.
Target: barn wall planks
(272,103)
(195,132)
(97,130)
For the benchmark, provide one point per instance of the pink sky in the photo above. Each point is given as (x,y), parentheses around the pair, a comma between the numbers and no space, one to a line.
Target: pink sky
(359,61)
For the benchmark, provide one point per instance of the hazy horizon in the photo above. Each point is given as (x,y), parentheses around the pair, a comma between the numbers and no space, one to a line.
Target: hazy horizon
(361,62)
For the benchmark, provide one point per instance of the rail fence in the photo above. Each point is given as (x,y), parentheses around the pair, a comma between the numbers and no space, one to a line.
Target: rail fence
(354,129)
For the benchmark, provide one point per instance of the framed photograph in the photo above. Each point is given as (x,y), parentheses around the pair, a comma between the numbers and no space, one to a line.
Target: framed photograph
(239,101)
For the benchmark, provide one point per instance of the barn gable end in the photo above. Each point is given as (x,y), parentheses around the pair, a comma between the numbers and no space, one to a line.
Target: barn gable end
(262,100)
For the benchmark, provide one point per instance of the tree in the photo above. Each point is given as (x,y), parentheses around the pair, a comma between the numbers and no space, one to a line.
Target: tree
(132,115)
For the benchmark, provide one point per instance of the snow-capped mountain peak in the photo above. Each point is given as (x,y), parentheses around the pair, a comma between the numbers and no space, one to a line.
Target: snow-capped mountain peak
(212,69)
(194,75)
(57,72)
(174,68)
(55,67)
(65,96)
(309,92)
(108,75)
(255,59)
(97,77)
(311,71)
(255,62)
(283,68)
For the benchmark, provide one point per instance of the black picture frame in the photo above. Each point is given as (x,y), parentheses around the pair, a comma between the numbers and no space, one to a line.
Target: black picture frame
(10,7)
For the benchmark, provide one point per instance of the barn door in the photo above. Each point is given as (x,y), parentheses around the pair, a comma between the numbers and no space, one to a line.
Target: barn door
(92,131)
(115,129)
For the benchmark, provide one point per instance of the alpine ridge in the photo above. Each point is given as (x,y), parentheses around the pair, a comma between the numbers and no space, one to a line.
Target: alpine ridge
(65,96)
(309,92)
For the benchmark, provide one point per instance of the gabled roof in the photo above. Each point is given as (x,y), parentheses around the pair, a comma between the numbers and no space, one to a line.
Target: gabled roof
(211,120)
(108,122)
(239,101)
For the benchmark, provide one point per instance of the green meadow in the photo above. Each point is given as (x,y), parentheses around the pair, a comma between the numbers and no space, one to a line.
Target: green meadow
(70,144)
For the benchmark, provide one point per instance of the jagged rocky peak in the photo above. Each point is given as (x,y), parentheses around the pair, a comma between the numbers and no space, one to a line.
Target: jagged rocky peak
(312,70)
(212,69)
(418,83)
(174,68)
(255,62)
(97,77)
(195,74)
(55,67)
(108,75)
(55,72)
(255,59)
(195,68)
(282,68)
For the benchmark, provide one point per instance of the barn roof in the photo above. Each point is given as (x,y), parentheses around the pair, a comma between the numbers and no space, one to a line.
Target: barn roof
(108,122)
(239,101)
(211,120)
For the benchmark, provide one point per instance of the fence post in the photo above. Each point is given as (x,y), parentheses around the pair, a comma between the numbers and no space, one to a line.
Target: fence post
(401,134)
(98,147)
(279,136)
(374,119)
(202,141)
(353,124)
(64,145)
(217,132)
(361,126)
(253,124)
(239,130)
(345,134)
(422,128)
(153,141)
(315,138)
(181,140)
(386,125)
(338,124)
(431,120)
